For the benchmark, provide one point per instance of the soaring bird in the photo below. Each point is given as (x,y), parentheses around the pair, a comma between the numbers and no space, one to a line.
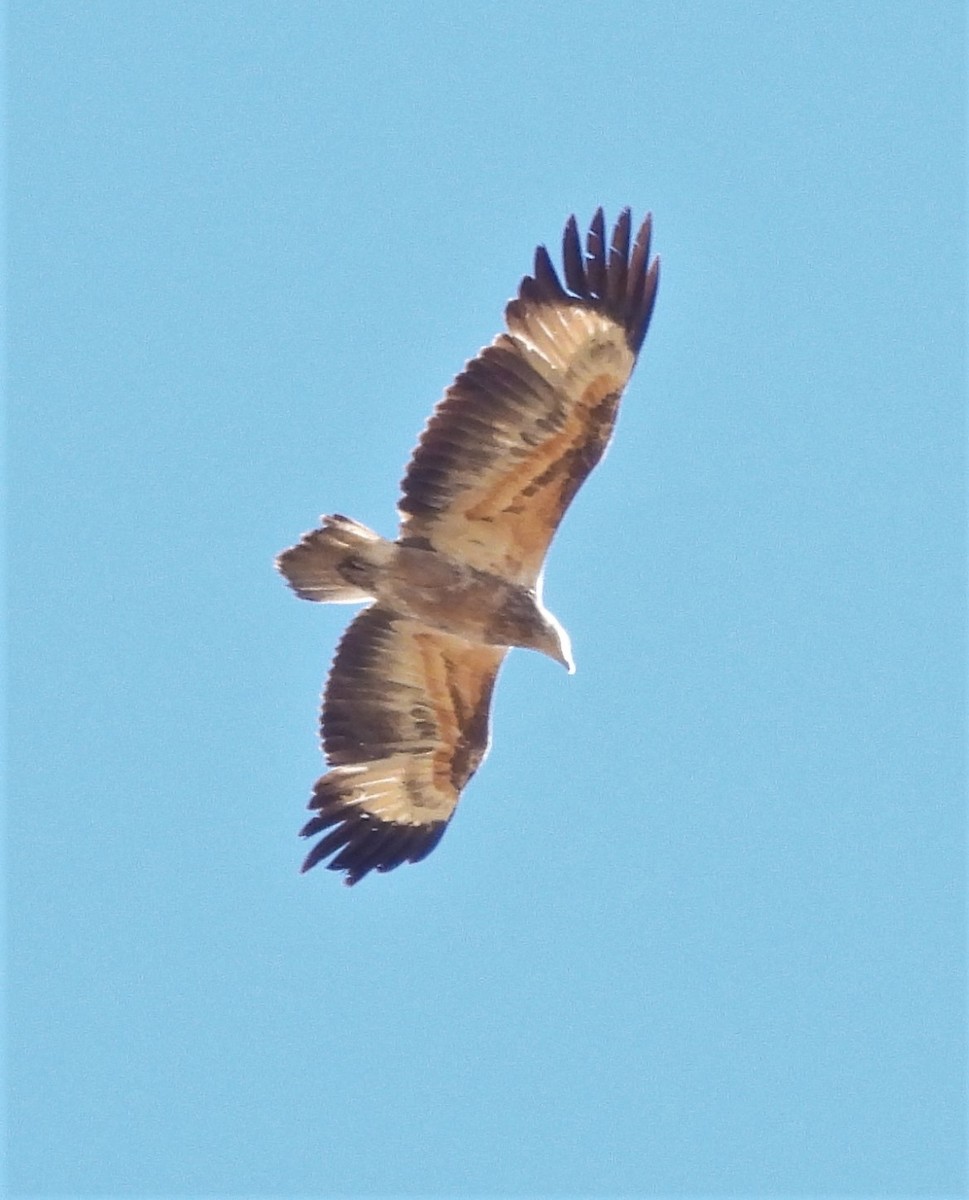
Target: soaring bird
(405,716)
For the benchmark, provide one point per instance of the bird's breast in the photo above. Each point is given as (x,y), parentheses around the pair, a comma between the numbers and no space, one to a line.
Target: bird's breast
(446,595)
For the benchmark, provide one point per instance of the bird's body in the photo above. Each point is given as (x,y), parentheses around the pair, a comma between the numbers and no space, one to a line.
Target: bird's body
(424,584)
(405,712)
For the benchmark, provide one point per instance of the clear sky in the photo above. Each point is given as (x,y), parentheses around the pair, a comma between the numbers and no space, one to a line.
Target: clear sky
(698,926)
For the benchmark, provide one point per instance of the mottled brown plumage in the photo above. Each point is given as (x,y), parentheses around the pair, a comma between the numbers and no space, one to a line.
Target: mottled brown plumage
(405,710)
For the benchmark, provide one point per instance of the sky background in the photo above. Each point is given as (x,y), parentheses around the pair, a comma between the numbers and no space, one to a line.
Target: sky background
(698,927)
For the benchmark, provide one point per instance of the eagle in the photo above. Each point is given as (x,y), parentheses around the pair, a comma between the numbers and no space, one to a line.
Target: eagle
(405,714)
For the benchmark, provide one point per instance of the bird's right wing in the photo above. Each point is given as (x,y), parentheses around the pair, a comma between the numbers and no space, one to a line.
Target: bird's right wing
(404,726)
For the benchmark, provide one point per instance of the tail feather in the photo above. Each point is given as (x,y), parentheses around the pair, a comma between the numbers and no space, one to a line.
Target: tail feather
(336,564)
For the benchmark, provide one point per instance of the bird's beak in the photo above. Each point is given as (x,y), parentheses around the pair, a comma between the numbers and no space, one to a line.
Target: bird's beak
(556,644)
(562,654)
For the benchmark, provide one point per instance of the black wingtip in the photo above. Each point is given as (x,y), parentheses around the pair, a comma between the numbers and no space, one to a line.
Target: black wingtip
(616,276)
(361,843)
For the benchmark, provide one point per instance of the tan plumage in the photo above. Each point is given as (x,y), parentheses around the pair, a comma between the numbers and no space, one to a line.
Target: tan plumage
(405,712)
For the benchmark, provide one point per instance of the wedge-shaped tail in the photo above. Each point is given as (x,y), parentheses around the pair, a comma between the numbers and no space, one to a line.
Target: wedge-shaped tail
(336,564)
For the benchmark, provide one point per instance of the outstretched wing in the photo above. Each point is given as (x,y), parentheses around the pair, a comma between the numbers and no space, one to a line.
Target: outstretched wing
(526,421)
(404,727)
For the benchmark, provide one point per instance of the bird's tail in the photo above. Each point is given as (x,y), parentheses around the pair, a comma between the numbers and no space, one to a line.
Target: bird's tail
(337,564)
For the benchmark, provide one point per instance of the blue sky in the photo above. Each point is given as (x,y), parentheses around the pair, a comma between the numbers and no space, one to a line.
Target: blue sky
(698,927)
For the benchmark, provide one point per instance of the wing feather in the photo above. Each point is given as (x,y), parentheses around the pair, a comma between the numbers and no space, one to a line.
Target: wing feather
(595,255)
(618,260)
(404,727)
(525,422)
(572,259)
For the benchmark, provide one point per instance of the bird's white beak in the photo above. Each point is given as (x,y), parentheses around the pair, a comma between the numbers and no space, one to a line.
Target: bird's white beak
(561,650)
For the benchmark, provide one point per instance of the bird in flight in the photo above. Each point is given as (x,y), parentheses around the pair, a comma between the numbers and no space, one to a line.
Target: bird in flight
(405,716)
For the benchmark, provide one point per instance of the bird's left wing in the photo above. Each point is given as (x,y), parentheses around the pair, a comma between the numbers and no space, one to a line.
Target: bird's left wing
(525,422)
(404,727)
